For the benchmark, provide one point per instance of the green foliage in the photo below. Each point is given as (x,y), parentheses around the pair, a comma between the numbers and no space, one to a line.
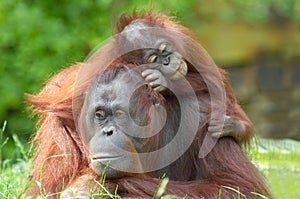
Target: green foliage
(37,39)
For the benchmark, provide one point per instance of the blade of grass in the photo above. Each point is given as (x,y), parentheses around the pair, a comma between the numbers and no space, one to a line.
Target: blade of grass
(235,190)
(161,187)
(29,184)
(20,146)
(2,143)
(260,195)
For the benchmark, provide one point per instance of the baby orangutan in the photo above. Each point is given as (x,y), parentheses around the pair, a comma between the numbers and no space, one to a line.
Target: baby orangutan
(164,65)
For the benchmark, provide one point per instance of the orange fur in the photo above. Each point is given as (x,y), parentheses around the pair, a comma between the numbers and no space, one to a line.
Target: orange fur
(225,165)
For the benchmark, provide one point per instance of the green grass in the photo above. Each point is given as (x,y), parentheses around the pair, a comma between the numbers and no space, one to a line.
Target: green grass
(280,163)
(278,160)
(13,178)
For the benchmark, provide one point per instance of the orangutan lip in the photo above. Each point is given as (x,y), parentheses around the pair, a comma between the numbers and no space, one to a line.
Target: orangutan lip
(107,157)
(179,69)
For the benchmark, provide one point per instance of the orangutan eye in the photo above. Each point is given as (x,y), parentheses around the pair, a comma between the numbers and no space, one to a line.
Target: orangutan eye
(100,114)
(120,114)
(152,59)
(162,47)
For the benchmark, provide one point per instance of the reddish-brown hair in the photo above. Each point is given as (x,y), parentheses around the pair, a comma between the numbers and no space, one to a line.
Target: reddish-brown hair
(225,166)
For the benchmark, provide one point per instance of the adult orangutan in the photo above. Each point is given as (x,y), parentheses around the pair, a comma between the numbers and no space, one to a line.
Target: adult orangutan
(105,123)
(224,166)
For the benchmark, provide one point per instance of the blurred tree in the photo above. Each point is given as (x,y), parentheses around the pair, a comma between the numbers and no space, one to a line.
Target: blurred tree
(37,39)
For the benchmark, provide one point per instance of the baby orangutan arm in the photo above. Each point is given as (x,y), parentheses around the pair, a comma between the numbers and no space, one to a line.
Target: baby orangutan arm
(231,126)
(155,79)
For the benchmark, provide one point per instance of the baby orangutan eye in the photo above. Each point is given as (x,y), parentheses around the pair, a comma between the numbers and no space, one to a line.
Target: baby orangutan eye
(162,47)
(152,59)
